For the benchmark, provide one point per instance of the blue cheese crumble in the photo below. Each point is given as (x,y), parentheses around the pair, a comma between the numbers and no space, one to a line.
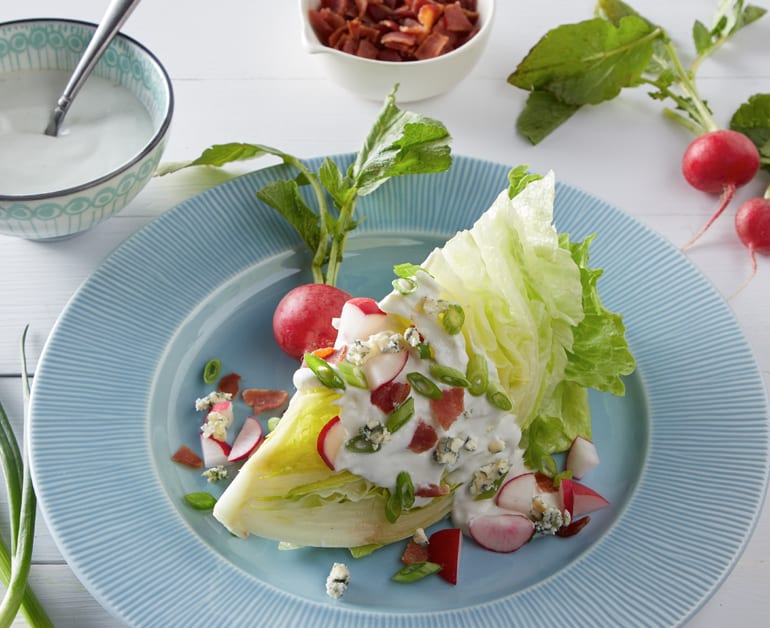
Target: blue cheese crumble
(337,581)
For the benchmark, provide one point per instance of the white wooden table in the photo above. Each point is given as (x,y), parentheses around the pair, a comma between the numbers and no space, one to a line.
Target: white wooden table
(240,74)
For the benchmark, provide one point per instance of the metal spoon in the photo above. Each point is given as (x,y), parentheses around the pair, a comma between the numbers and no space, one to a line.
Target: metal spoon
(117,13)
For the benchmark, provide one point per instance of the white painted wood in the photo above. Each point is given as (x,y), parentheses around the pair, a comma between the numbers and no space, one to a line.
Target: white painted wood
(240,73)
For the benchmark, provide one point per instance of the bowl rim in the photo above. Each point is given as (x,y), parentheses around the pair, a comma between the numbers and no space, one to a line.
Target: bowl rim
(314,45)
(156,138)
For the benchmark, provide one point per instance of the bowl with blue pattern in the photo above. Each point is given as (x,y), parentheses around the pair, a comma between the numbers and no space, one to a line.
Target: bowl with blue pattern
(44,196)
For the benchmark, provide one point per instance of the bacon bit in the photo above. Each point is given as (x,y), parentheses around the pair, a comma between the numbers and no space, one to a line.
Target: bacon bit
(396,29)
(448,407)
(414,553)
(390,395)
(186,456)
(424,438)
(262,399)
(431,490)
(544,483)
(573,528)
(229,384)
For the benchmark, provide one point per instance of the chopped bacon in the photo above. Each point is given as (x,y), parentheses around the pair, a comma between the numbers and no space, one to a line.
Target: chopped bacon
(229,384)
(186,456)
(448,407)
(262,399)
(424,438)
(390,395)
(414,553)
(573,528)
(431,490)
(395,30)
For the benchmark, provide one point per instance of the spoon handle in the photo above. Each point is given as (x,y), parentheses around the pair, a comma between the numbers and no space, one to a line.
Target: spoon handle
(115,16)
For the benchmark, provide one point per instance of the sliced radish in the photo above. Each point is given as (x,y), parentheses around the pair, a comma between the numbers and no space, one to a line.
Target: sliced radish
(501,533)
(567,495)
(586,500)
(247,441)
(582,457)
(330,439)
(225,408)
(360,318)
(444,549)
(215,452)
(383,368)
(517,493)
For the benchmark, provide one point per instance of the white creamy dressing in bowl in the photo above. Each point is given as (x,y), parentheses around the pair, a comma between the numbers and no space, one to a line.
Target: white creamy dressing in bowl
(106,127)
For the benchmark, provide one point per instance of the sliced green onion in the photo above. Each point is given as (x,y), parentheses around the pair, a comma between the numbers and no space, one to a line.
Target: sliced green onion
(416,571)
(497,397)
(211,371)
(449,376)
(423,386)
(400,416)
(404,285)
(201,500)
(425,351)
(405,489)
(393,507)
(477,373)
(272,423)
(361,445)
(324,372)
(452,319)
(548,467)
(352,374)
(408,270)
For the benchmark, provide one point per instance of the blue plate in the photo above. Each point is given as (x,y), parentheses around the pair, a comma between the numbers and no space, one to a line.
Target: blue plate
(684,453)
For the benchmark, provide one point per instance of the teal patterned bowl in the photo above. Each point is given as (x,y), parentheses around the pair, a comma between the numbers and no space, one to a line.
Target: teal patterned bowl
(54,44)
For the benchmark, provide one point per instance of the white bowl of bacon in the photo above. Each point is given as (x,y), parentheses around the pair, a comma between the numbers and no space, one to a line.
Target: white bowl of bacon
(425,46)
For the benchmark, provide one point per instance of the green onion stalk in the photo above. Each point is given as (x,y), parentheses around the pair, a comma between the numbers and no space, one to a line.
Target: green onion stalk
(15,561)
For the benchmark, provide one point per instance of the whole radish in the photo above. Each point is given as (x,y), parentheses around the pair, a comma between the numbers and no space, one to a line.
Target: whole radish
(302,321)
(752,222)
(719,162)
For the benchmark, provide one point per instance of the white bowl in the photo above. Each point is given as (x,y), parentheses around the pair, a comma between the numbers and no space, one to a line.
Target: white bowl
(417,80)
(54,44)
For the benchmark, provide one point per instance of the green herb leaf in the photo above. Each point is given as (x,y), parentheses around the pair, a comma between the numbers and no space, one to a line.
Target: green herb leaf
(201,500)
(701,37)
(285,198)
(416,571)
(400,142)
(753,120)
(588,62)
(543,113)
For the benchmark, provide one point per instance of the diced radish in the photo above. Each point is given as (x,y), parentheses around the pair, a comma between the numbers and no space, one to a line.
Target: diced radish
(567,495)
(225,408)
(360,318)
(383,368)
(444,549)
(501,533)
(586,500)
(517,493)
(247,441)
(582,457)
(330,439)
(215,452)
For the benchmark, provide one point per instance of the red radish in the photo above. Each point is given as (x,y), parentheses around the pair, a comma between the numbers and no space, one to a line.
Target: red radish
(383,368)
(302,321)
(329,441)
(719,162)
(444,548)
(586,500)
(360,318)
(582,457)
(517,493)
(215,452)
(501,533)
(567,495)
(247,441)
(752,222)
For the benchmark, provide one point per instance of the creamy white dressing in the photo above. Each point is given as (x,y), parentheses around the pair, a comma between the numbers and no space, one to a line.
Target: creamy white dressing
(104,129)
(494,433)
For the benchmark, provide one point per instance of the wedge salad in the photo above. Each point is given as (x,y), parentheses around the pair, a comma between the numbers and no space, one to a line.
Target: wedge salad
(447,398)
